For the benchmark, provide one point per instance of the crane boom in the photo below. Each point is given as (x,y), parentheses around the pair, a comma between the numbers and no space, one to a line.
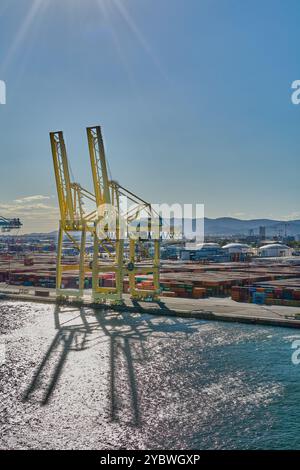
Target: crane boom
(62,176)
(98,166)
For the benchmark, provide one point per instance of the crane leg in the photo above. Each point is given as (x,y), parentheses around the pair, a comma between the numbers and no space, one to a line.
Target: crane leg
(115,265)
(59,258)
(119,261)
(95,278)
(131,274)
(156,265)
(81,262)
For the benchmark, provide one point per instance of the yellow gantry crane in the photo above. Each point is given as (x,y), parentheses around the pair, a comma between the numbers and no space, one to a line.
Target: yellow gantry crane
(141,224)
(72,216)
(107,205)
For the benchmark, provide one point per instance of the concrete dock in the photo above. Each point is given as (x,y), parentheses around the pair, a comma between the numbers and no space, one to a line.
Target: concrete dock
(213,308)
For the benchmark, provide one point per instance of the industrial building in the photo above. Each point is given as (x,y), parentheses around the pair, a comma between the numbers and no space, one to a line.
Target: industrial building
(206,251)
(171,252)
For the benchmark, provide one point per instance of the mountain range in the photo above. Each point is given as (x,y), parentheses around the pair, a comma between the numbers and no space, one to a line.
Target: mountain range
(227,226)
(231,226)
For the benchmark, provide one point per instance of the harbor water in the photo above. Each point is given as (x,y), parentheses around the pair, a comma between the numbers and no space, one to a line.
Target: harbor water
(76,378)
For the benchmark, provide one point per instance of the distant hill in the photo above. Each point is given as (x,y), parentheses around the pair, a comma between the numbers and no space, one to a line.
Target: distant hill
(232,226)
(226,226)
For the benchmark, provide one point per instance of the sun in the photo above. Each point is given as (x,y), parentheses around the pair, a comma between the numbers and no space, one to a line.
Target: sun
(108,10)
(34,10)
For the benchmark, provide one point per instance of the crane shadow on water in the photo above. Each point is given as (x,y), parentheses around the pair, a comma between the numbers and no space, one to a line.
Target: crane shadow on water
(126,334)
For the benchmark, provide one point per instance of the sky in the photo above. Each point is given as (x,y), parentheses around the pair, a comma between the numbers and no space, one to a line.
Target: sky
(193,96)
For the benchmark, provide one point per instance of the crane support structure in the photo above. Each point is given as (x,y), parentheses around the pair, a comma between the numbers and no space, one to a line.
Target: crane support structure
(147,231)
(109,254)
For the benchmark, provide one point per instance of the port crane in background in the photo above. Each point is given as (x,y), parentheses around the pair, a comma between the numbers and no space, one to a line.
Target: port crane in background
(107,193)
(6,225)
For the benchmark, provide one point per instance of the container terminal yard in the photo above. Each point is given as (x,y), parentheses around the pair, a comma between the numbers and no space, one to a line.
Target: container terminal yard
(89,262)
(115,336)
(272,287)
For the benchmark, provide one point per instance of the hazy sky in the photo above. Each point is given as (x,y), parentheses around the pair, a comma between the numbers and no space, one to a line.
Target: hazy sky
(194,97)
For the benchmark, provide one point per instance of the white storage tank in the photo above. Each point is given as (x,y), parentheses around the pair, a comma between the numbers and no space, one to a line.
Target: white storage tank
(237,248)
(275,250)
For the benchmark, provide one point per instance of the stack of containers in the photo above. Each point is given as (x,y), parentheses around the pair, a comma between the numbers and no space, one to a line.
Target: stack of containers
(241,294)
(268,295)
